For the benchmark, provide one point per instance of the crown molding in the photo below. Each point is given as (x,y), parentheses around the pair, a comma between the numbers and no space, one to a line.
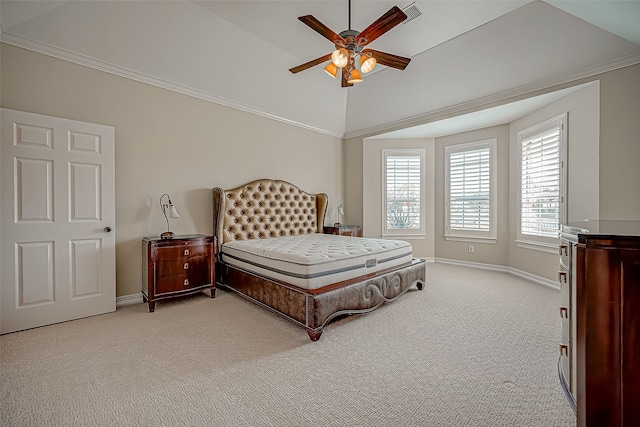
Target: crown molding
(499,98)
(431,116)
(117,70)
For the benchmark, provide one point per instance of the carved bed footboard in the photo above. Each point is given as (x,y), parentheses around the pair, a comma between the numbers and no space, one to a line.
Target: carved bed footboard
(314,309)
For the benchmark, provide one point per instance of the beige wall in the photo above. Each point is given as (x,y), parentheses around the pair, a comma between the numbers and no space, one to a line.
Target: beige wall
(486,253)
(353,177)
(371,221)
(620,144)
(582,108)
(167,142)
(604,134)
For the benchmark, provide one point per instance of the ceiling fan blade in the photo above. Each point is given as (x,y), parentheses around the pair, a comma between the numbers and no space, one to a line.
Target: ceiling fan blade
(310,63)
(388,59)
(386,22)
(322,29)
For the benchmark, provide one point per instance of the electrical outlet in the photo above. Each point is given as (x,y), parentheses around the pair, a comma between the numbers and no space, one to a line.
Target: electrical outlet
(471,249)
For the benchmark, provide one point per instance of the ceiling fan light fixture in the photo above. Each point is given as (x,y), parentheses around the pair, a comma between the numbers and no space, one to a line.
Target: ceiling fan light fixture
(340,57)
(350,49)
(331,69)
(355,77)
(367,63)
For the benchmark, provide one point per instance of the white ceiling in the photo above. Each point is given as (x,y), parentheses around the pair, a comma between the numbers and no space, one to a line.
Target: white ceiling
(237,53)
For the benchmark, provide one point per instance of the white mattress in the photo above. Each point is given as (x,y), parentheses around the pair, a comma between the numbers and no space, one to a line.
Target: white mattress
(314,260)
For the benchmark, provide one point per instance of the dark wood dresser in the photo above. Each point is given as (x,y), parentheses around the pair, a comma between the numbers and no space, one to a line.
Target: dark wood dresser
(178,266)
(599,363)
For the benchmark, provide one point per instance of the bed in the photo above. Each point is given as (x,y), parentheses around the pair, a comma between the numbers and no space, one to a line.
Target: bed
(271,250)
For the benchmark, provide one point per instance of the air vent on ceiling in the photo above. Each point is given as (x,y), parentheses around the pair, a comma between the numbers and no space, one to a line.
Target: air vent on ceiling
(412,13)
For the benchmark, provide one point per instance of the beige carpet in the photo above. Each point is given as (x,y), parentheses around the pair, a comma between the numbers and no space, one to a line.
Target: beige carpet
(475,348)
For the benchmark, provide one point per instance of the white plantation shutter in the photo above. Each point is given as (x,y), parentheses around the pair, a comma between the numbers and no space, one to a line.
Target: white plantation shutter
(469,185)
(403,191)
(541,179)
(470,191)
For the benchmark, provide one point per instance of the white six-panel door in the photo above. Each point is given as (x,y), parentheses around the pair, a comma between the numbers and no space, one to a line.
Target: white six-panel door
(57,223)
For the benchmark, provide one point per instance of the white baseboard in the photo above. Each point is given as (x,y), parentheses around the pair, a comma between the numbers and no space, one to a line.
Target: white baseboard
(129,300)
(503,268)
(541,280)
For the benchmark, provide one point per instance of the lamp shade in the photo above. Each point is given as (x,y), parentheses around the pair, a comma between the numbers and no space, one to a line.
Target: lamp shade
(367,63)
(355,77)
(340,57)
(173,213)
(331,69)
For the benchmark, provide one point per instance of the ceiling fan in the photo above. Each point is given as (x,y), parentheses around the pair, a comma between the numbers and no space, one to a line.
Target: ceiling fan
(350,47)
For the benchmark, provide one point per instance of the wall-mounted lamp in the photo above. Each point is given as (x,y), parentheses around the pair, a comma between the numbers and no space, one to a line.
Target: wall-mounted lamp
(340,213)
(173,213)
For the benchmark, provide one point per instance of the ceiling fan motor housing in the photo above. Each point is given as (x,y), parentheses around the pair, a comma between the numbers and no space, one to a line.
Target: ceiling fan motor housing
(351,42)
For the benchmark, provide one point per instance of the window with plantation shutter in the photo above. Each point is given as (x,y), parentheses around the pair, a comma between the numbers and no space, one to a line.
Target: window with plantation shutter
(470,195)
(403,192)
(542,178)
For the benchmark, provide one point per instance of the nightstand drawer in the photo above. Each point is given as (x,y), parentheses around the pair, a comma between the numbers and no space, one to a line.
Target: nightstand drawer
(194,273)
(182,265)
(179,252)
(168,284)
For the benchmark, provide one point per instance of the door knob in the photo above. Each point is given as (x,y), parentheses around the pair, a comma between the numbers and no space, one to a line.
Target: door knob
(107,229)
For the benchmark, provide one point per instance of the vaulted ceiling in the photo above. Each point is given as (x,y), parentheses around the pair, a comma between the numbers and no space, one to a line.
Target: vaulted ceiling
(237,53)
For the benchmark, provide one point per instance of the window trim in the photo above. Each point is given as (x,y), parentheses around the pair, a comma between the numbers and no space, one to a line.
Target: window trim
(402,232)
(528,241)
(489,236)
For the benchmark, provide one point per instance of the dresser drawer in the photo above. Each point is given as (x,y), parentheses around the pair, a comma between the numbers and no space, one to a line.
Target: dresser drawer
(564,249)
(565,303)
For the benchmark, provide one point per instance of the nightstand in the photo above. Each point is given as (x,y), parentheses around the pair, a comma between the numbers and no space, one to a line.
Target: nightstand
(343,230)
(178,266)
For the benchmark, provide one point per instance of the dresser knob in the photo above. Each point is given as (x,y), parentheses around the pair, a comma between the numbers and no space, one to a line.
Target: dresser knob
(186,251)
(186,282)
(563,249)
(562,277)
(186,266)
(564,312)
(564,350)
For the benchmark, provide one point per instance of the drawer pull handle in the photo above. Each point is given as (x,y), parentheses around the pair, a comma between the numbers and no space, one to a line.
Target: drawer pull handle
(186,266)
(564,313)
(563,249)
(564,350)
(562,277)
(186,282)
(186,251)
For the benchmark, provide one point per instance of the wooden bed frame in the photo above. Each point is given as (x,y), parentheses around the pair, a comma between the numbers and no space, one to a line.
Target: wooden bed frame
(269,208)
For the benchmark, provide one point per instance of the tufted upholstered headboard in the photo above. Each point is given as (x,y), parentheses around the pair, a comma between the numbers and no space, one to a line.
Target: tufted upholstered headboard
(266,208)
